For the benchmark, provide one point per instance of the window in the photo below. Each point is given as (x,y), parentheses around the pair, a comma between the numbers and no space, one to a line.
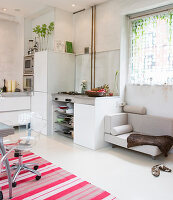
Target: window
(151,50)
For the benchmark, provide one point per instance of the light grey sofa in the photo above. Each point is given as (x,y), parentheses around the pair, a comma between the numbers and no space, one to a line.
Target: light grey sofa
(141,123)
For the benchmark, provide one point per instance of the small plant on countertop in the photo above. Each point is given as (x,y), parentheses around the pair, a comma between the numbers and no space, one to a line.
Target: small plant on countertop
(84,86)
(106,88)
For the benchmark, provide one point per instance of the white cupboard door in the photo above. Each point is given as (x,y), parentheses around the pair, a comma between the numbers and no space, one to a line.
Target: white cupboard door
(39,105)
(40,71)
(84,125)
(14,103)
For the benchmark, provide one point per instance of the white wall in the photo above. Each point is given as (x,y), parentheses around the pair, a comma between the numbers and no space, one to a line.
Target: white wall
(133,6)
(11,50)
(108,27)
(157,99)
(27,33)
(82,31)
(63,26)
(107,44)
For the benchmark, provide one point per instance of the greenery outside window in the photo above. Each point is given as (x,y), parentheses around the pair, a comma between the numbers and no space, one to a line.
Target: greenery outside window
(151,50)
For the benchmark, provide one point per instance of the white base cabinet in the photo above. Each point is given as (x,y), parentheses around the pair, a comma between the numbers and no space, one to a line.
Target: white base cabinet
(89,121)
(11,109)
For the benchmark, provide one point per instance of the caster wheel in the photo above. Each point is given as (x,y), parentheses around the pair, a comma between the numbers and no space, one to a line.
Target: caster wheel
(16,154)
(14,184)
(37,178)
(1,195)
(35,167)
(13,166)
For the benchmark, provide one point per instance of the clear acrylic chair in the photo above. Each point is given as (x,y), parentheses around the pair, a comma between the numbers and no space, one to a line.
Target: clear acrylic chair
(26,140)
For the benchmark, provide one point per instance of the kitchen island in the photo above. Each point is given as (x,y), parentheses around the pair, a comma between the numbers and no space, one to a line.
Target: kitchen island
(13,105)
(89,113)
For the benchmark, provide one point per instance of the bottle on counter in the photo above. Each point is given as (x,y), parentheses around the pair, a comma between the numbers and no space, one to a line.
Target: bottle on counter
(4,89)
(9,86)
(13,85)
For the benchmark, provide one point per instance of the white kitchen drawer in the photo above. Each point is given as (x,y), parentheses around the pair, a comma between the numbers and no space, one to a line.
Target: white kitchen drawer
(14,104)
(12,118)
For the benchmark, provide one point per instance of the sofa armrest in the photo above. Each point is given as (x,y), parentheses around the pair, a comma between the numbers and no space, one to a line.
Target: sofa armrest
(114,120)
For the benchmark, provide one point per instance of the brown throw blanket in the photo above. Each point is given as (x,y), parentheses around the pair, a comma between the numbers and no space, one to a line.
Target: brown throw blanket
(164,143)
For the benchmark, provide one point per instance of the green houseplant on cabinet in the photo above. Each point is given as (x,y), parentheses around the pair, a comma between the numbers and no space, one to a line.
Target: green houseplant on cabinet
(43,33)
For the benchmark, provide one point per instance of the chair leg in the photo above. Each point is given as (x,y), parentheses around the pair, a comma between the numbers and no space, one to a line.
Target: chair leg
(153,157)
(31,164)
(16,173)
(114,146)
(32,170)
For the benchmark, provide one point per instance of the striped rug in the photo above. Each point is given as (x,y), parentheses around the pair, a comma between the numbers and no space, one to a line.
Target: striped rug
(55,183)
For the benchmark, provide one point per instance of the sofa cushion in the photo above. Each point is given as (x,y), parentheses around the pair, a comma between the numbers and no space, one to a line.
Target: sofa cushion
(114,120)
(135,109)
(121,140)
(118,130)
(151,125)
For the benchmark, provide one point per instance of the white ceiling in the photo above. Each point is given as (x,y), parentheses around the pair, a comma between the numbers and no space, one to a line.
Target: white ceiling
(30,7)
(67,4)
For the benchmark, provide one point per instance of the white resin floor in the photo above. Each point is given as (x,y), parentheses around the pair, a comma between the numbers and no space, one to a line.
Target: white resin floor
(123,173)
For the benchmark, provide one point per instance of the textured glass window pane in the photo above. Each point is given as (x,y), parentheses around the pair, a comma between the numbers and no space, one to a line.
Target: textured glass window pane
(151,50)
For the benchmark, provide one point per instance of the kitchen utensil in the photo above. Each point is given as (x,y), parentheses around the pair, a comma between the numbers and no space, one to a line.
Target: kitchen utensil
(9,86)
(60,120)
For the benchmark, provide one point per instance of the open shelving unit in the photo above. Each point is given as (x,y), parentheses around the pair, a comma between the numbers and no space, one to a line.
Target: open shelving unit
(62,128)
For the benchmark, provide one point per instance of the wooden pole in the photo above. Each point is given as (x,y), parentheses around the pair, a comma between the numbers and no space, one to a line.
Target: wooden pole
(92,49)
(94,46)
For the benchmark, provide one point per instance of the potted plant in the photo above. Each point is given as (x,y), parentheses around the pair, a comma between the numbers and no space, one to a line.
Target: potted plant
(43,32)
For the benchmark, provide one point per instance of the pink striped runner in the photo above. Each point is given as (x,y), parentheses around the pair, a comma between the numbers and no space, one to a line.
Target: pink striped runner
(55,183)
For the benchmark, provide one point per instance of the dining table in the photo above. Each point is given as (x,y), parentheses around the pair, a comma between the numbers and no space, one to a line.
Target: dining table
(5,131)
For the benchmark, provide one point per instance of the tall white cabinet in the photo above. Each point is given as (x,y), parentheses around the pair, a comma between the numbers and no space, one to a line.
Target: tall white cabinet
(53,72)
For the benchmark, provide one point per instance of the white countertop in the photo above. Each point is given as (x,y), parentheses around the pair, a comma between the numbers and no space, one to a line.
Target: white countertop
(83,99)
(15,94)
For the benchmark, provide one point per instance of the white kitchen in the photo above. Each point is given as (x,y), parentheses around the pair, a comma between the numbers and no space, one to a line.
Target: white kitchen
(67,103)
(44,66)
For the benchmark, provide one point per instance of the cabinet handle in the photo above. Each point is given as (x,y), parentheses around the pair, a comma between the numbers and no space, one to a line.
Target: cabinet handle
(56,99)
(68,100)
